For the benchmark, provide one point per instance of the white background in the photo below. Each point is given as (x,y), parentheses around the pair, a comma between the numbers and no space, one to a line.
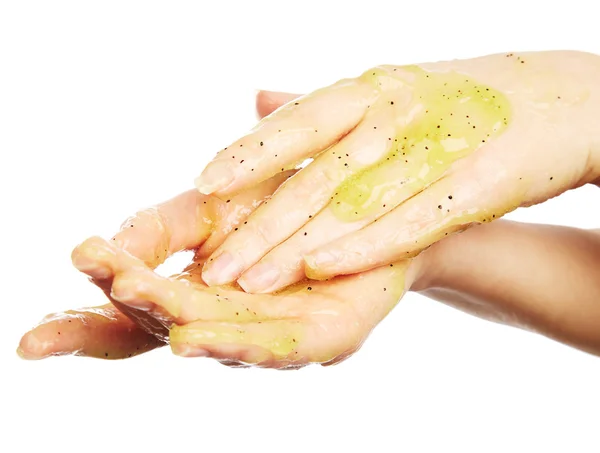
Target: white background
(107,107)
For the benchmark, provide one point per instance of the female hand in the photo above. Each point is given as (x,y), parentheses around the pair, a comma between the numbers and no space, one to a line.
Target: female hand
(322,322)
(404,156)
(188,221)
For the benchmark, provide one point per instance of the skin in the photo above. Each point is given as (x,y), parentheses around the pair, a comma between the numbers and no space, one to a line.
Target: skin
(403,157)
(314,322)
(329,322)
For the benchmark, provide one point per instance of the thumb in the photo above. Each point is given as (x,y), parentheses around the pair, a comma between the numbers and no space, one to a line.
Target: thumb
(269,101)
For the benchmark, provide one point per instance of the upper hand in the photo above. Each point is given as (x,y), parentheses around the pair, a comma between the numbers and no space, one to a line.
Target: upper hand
(404,156)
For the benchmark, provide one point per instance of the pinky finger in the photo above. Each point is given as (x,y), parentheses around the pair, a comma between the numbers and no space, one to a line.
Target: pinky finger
(100,332)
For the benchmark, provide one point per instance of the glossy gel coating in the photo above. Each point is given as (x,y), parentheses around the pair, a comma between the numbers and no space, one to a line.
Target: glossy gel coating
(447,116)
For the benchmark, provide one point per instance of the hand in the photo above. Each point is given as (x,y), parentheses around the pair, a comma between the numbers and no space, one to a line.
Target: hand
(404,156)
(321,322)
(312,322)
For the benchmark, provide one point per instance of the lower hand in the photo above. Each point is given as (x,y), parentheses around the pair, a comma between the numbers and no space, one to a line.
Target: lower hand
(313,322)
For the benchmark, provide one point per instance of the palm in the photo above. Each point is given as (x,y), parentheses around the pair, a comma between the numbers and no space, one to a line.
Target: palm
(321,322)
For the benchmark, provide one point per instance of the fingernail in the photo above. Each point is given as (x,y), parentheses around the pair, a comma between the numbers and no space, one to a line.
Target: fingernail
(92,260)
(315,265)
(217,176)
(259,278)
(224,269)
(22,354)
(91,267)
(320,259)
(30,347)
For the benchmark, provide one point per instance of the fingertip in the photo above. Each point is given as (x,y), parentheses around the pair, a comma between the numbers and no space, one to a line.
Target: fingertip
(250,287)
(223,269)
(217,176)
(269,101)
(260,279)
(245,285)
(31,348)
(92,257)
(316,268)
(263,104)
(128,290)
(202,186)
(26,354)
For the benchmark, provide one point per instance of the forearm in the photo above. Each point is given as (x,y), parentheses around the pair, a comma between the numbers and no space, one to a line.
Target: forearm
(538,277)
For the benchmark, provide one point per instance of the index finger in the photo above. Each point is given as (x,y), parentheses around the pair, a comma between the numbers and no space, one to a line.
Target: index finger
(298,130)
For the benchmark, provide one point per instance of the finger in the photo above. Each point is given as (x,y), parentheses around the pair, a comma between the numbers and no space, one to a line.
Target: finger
(181,301)
(269,101)
(356,204)
(184,222)
(462,198)
(103,261)
(270,343)
(135,285)
(230,216)
(299,130)
(284,265)
(101,332)
(301,198)
(154,234)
